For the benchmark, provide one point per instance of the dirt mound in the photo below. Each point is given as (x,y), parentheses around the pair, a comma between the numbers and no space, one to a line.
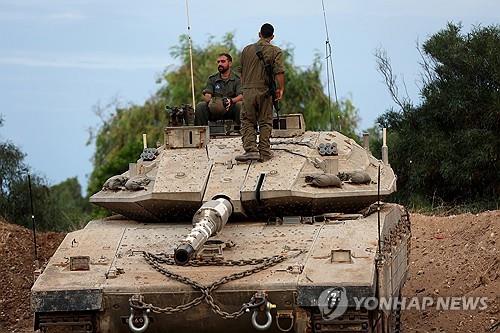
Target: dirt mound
(16,272)
(455,256)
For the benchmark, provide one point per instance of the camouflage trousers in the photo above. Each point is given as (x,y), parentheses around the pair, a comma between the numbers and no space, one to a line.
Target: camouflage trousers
(203,114)
(257,110)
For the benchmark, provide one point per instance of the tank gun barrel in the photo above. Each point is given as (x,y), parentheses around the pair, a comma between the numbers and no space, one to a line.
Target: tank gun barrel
(207,222)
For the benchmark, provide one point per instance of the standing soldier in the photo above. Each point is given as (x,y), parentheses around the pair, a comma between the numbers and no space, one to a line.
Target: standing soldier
(257,100)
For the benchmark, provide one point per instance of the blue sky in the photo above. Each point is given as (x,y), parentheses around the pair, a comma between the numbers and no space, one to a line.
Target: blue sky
(58,58)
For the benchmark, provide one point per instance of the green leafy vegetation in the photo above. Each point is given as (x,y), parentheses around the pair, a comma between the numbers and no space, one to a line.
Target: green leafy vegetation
(60,207)
(446,150)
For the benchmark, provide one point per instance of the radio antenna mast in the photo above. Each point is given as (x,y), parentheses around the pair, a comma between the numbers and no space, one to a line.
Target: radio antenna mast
(329,65)
(190,54)
(33,222)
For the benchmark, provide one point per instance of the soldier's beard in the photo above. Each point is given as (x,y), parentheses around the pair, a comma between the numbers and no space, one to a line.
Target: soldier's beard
(222,70)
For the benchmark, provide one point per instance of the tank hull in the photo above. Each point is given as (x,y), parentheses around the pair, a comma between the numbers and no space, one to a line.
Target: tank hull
(97,299)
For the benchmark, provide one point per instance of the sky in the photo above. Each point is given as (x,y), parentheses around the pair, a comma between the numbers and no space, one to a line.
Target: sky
(60,58)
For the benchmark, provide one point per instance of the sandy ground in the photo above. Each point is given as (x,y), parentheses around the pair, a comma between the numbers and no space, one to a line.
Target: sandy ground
(452,256)
(16,273)
(455,256)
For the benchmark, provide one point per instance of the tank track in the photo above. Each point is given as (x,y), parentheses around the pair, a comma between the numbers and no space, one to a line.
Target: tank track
(82,322)
(351,321)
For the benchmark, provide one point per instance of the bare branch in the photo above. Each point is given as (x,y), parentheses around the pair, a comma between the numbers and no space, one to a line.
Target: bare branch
(385,68)
(406,99)
(105,114)
(428,65)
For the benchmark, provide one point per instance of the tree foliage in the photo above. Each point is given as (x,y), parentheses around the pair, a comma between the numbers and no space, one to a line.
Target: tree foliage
(59,207)
(118,139)
(448,147)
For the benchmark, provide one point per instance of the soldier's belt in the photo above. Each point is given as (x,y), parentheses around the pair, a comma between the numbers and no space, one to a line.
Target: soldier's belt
(258,84)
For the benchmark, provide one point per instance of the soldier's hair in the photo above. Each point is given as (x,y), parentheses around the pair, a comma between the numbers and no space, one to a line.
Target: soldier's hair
(266,30)
(227,55)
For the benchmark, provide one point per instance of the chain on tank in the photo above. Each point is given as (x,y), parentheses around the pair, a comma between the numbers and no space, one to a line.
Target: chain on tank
(168,259)
(158,260)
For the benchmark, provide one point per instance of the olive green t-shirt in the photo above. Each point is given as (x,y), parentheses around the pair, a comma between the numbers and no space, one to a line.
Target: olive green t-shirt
(252,68)
(218,87)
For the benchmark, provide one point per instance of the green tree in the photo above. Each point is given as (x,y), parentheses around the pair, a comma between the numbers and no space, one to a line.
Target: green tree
(60,207)
(72,209)
(12,169)
(375,135)
(118,139)
(447,148)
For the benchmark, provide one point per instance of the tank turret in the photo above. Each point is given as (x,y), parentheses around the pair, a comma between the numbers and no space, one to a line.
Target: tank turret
(190,169)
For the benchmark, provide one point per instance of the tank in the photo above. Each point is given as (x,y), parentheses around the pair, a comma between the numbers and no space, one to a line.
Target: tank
(202,243)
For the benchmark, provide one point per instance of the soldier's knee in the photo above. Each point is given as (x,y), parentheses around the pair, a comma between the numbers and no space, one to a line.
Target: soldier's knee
(202,106)
(201,114)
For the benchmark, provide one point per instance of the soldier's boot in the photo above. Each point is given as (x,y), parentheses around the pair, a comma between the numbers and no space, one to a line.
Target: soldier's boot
(265,156)
(248,156)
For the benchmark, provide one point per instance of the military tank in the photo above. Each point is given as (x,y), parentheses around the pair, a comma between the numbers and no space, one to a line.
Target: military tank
(202,243)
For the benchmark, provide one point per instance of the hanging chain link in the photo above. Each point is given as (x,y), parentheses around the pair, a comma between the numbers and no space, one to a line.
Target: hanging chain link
(156,261)
(168,259)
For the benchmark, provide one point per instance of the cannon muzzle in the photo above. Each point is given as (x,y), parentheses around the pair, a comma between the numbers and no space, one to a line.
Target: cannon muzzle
(207,222)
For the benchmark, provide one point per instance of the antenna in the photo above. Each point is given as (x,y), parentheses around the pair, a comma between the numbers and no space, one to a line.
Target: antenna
(190,54)
(379,259)
(378,212)
(329,65)
(33,223)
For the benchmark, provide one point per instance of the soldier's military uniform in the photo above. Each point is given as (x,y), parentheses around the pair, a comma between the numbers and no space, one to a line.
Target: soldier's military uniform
(219,88)
(257,103)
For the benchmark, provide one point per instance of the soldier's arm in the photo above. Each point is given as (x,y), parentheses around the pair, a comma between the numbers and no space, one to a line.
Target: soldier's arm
(279,74)
(239,92)
(280,78)
(208,91)
(237,99)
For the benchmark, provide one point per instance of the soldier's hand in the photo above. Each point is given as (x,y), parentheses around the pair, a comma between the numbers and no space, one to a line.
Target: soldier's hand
(227,102)
(279,94)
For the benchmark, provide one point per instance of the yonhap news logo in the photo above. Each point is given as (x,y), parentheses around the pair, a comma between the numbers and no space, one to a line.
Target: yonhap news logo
(332,303)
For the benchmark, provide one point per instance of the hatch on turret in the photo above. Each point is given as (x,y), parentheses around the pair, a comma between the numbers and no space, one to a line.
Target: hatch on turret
(186,137)
(288,125)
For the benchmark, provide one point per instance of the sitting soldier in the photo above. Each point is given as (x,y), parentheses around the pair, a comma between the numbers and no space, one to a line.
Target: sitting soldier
(222,96)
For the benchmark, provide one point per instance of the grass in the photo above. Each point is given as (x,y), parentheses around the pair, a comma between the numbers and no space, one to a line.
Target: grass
(436,206)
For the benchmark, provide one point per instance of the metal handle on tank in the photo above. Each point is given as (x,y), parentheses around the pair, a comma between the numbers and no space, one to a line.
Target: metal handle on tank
(269,318)
(264,327)
(292,323)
